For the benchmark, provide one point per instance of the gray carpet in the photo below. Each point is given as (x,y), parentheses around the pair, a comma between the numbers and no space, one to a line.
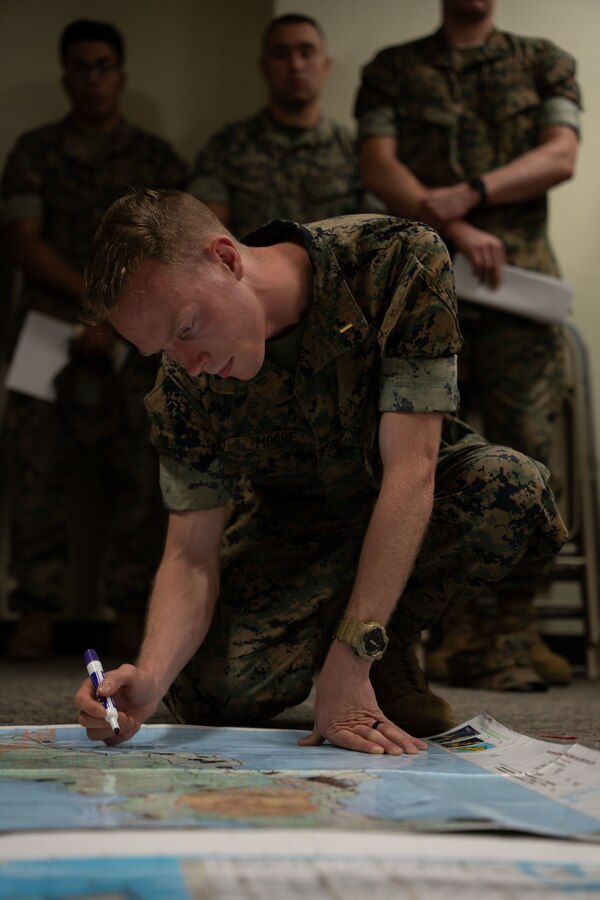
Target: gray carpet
(42,694)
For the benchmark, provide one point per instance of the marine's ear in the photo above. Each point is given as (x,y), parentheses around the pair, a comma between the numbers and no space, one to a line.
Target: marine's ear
(223,249)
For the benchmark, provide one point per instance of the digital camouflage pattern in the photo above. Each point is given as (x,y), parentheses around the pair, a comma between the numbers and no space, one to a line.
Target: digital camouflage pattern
(308,444)
(456,115)
(288,566)
(49,452)
(67,180)
(513,372)
(383,288)
(262,170)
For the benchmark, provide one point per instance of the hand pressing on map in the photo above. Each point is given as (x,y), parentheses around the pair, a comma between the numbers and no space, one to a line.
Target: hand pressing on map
(346,709)
(136,697)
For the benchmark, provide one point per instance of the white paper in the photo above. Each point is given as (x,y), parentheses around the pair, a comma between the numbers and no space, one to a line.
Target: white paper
(521,292)
(568,774)
(42,351)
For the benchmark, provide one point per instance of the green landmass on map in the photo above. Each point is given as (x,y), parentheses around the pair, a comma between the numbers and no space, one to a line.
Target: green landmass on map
(36,750)
(166,786)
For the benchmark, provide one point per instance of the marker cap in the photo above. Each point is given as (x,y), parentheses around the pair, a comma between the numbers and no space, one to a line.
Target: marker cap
(90,656)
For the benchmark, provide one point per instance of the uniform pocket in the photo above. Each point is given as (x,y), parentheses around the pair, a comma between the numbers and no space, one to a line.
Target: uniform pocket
(516,118)
(426,141)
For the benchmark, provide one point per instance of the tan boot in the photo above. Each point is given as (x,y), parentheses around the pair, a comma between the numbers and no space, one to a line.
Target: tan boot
(403,694)
(499,662)
(551,666)
(32,637)
(518,613)
(458,632)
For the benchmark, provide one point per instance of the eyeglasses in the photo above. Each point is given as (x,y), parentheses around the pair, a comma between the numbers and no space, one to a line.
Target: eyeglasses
(102,67)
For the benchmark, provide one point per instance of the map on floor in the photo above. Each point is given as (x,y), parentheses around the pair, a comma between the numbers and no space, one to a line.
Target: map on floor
(479,776)
(245,864)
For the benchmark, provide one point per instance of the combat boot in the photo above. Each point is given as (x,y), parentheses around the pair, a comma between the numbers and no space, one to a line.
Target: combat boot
(518,613)
(459,632)
(403,693)
(500,662)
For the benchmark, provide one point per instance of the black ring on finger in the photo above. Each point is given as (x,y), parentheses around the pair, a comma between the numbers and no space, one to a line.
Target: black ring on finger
(376,724)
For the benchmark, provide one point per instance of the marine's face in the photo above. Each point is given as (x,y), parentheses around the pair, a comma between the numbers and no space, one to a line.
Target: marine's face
(295,65)
(467,10)
(93,79)
(206,319)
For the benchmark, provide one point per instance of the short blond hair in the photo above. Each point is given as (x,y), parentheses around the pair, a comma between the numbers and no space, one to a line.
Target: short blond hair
(167,226)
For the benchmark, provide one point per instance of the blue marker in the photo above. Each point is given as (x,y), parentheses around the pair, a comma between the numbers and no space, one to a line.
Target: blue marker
(96,673)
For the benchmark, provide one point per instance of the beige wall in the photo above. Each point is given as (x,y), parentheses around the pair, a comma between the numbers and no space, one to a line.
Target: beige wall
(191,63)
(357,30)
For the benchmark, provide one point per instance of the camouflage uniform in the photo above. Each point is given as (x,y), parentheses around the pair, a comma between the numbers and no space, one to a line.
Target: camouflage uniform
(456,115)
(263,170)
(66,180)
(381,335)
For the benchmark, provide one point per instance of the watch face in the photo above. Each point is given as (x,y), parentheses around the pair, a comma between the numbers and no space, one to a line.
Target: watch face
(374,640)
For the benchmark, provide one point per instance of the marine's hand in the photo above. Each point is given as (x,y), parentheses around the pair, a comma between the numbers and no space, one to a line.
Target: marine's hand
(346,708)
(484,251)
(136,697)
(441,205)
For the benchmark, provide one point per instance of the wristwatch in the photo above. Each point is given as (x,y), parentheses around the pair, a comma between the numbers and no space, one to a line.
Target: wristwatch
(368,640)
(478,184)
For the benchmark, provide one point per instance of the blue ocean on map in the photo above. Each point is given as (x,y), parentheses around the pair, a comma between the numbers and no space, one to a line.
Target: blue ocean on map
(174,776)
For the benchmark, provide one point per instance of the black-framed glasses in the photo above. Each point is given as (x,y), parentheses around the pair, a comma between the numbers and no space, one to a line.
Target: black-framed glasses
(102,67)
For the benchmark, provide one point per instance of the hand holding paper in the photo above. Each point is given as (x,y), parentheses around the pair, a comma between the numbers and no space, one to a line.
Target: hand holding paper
(521,292)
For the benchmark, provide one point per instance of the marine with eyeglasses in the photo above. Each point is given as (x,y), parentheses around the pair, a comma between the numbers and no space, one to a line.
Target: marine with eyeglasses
(58,181)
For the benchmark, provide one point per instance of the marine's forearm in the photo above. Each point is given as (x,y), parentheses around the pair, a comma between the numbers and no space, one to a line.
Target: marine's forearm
(392,541)
(535,172)
(179,616)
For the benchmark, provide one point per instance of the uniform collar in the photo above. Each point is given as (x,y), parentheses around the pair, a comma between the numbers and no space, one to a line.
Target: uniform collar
(335,321)
(283,135)
(439,53)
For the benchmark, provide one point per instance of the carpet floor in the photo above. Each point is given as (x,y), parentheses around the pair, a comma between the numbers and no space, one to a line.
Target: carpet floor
(42,694)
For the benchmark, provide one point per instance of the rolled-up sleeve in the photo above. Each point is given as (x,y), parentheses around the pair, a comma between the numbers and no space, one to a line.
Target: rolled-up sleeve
(420,336)
(191,468)
(184,488)
(19,207)
(375,102)
(418,385)
(560,111)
